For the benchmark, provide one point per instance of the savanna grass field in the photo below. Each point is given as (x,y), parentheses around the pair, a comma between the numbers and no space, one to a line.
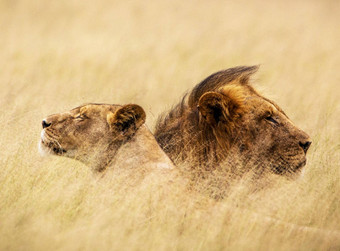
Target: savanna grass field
(56,55)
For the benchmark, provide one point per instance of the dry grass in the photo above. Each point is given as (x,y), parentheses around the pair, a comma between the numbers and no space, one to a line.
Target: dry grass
(55,55)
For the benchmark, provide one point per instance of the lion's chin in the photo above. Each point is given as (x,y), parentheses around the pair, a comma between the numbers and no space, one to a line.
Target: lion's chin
(298,171)
(290,171)
(300,165)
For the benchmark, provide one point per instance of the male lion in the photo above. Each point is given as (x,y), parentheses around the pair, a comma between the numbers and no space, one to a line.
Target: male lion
(102,135)
(223,119)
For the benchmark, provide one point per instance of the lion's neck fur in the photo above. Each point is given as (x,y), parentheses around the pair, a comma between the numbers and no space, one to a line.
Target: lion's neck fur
(184,136)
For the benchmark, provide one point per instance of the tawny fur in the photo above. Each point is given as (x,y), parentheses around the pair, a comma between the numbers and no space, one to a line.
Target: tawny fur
(102,136)
(224,120)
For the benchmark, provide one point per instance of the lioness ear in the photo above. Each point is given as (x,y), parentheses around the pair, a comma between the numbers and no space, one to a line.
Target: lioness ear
(217,107)
(127,119)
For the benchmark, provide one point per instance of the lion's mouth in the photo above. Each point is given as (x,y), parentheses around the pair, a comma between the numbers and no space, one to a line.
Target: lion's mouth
(289,169)
(301,165)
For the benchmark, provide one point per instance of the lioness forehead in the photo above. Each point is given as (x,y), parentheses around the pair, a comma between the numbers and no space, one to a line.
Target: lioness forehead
(95,108)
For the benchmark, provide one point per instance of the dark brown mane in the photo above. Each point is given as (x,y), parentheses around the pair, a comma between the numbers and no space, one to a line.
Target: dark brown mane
(181,128)
(225,124)
(220,79)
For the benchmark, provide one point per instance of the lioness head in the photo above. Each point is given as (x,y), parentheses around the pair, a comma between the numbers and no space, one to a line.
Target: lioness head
(95,134)
(224,119)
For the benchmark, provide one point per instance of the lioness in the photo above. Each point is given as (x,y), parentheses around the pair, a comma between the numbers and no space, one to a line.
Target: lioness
(224,119)
(102,135)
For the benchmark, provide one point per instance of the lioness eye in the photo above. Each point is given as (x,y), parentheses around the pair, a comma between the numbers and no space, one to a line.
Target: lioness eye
(80,117)
(271,119)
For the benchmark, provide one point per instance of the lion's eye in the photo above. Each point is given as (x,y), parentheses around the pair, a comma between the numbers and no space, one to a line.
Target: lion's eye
(272,120)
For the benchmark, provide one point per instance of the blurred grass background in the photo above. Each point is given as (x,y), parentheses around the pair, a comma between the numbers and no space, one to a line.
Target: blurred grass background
(56,55)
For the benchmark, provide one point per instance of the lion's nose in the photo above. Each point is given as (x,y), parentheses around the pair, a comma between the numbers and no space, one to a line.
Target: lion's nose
(45,124)
(305,145)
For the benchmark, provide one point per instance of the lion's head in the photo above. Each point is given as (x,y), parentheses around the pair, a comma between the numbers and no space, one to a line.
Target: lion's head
(224,119)
(99,134)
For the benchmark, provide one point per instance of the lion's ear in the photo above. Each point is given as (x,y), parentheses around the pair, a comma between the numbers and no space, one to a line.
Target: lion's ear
(217,107)
(127,119)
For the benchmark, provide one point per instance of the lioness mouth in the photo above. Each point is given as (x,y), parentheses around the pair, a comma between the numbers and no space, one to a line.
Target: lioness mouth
(58,151)
(52,145)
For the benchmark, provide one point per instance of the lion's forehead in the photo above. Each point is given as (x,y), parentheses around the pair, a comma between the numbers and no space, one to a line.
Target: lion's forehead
(260,104)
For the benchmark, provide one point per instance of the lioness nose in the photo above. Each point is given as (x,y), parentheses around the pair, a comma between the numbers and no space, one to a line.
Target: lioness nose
(305,145)
(45,124)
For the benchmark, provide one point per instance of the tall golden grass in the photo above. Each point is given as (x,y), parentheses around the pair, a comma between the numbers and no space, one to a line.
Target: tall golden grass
(55,55)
